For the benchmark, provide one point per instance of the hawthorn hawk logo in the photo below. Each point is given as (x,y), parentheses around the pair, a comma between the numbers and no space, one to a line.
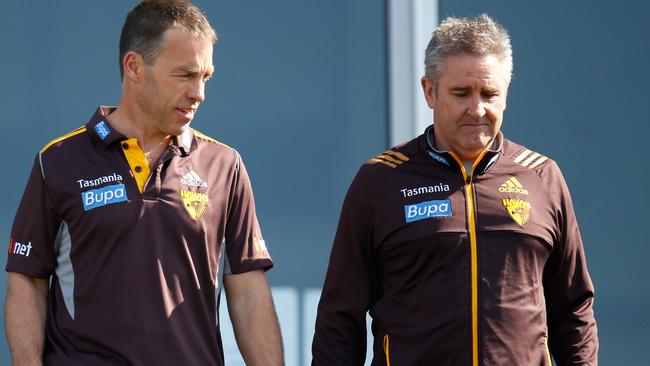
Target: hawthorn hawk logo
(195,203)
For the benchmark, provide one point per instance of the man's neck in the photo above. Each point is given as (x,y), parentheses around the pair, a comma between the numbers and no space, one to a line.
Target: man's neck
(468,160)
(127,122)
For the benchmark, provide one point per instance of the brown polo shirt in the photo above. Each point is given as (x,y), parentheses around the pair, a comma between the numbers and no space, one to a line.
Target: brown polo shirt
(136,254)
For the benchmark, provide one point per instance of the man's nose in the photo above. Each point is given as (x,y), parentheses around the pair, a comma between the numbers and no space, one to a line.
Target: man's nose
(476,108)
(197,91)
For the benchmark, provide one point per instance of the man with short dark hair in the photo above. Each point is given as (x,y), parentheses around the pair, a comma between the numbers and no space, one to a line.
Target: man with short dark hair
(461,244)
(131,224)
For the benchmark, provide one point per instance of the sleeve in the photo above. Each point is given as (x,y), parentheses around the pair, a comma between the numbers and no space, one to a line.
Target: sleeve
(31,246)
(568,288)
(348,292)
(245,246)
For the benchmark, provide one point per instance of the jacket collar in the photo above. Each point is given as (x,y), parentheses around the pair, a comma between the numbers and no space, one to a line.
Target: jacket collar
(444,157)
(102,132)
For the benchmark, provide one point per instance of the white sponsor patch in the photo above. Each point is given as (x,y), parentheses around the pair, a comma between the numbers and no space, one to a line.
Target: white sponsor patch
(427,209)
(103,196)
(20,248)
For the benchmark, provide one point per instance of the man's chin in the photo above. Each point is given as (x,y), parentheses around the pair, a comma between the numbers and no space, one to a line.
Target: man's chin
(180,129)
(478,143)
(471,149)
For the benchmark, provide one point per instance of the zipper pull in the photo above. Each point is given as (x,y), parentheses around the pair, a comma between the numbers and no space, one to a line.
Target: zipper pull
(468,180)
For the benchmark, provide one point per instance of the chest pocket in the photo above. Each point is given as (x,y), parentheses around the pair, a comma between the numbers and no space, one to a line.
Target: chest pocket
(516,209)
(423,217)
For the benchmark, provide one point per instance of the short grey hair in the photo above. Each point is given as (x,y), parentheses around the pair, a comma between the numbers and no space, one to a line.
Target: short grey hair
(479,36)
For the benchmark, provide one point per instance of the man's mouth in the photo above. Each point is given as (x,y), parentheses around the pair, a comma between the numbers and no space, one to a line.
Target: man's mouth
(187,110)
(185,114)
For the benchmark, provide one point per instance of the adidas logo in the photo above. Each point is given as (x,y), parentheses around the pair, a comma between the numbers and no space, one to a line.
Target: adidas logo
(530,159)
(512,185)
(390,158)
(193,179)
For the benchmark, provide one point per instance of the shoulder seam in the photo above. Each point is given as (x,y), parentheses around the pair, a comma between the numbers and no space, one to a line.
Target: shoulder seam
(78,131)
(386,173)
(207,138)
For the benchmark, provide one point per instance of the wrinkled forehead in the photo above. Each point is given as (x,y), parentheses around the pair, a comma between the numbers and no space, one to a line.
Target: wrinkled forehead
(489,68)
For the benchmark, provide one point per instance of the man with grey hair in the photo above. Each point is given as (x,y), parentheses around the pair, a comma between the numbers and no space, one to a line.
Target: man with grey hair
(461,244)
(131,225)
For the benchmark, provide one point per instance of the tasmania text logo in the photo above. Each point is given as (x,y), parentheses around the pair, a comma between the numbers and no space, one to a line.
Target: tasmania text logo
(85,183)
(193,179)
(427,209)
(19,248)
(512,185)
(103,196)
(409,192)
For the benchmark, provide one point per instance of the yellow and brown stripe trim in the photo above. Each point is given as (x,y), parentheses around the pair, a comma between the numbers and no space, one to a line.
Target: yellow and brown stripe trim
(208,138)
(548,353)
(473,233)
(79,130)
(530,159)
(390,158)
(387,349)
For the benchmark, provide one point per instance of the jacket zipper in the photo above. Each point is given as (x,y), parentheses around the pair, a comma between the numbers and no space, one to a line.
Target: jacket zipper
(471,220)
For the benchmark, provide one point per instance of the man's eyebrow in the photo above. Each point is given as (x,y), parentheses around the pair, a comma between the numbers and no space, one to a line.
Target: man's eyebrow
(490,89)
(193,70)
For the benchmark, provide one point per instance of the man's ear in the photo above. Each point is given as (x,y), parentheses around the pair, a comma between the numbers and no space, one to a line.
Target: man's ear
(429,92)
(133,66)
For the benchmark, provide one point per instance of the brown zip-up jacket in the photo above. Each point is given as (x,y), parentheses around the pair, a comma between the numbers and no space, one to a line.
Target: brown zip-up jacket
(457,268)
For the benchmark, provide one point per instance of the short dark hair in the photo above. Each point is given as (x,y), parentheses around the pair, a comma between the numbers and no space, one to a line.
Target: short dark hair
(147,22)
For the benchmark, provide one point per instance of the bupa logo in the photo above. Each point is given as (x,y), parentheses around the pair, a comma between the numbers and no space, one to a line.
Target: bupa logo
(102,130)
(103,196)
(427,209)
(19,248)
